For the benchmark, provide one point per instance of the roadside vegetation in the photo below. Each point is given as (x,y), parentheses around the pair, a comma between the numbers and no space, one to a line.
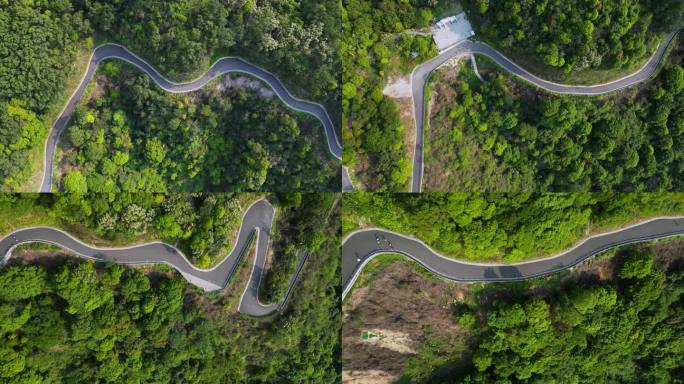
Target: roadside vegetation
(621,326)
(377,44)
(297,41)
(300,227)
(203,226)
(576,41)
(38,43)
(504,135)
(136,137)
(503,227)
(80,321)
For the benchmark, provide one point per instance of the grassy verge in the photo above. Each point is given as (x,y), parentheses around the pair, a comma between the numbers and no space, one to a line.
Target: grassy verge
(16,218)
(37,252)
(533,63)
(487,65)
(434,76)
(238,282)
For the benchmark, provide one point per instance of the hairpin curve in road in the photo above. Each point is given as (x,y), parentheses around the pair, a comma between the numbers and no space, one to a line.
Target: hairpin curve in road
(257,219)
(219,68)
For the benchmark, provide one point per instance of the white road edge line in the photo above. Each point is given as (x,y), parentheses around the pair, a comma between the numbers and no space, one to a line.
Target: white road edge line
(465,262)
(85,75)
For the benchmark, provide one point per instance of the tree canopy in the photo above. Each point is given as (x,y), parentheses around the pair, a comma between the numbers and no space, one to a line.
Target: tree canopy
(70,320)
(503,135)
(577,35)
(621,329)
(40,40)
(138,138)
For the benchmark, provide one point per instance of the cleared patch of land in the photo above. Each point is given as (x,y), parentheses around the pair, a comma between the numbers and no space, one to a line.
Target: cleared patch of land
(245,83)
(403,305)
(398,88)
(397,294)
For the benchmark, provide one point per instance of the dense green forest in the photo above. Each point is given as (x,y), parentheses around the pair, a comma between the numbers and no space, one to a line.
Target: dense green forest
(567,37)
(75,321)
(575,36)
(374,47)
(507,227)
(135,137)
(39,41)
(503,135)
(623,329)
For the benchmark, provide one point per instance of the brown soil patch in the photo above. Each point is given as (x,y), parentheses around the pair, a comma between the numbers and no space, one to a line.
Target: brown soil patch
(398,88)
(45,256)
(371,376)
(668,252)
(384,338)
(357,298)
(400,301)
(102,84)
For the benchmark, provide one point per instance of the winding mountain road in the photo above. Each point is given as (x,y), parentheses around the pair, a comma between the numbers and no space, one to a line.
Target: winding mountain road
(421,74)
(219,68)
(359,247)
(258,218)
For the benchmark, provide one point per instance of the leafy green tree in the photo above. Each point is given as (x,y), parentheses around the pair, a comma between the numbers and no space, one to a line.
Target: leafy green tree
(80,288)
(636,266)
(155,151)
(168,228)
(13,318)
(17,283)
(74,182)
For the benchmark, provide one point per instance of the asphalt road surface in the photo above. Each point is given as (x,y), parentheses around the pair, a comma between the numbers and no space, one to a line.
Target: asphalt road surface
(422,72)
(220,67)
(361,246)
(347,185)
(257,221)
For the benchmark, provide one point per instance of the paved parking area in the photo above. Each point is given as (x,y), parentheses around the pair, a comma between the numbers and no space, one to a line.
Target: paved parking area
(451,30)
